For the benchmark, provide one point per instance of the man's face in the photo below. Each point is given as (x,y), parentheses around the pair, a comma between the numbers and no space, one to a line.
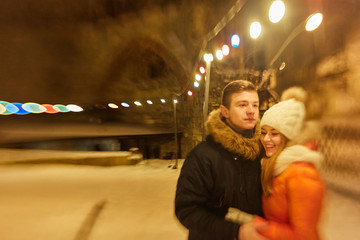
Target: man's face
(243,112)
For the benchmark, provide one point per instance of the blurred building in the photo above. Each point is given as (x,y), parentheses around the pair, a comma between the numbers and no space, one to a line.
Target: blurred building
(95,52)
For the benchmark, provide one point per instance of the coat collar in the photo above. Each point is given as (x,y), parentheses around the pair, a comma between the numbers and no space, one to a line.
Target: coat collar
(296,153)
(295,150)
(229,139)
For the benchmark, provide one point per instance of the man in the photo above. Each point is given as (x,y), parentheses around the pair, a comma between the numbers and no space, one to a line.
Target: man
(223,171)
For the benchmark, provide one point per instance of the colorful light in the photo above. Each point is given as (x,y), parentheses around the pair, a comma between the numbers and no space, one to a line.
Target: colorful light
(62,108)
(235,40)
(50,108)
(202,69)
(2,109)
(5,104)
(7,108)
(10,107)
(34,107)
(21,110)
(124,104)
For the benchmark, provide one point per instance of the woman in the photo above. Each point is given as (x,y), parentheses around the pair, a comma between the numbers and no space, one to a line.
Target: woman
(292,187)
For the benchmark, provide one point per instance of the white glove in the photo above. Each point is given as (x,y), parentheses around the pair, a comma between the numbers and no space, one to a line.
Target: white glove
(237,216)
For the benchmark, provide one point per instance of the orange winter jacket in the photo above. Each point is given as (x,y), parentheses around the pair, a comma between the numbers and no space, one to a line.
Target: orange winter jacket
(294,207)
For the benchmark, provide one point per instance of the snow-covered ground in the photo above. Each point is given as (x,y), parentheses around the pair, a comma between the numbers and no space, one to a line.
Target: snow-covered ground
(63,202)
(66,202)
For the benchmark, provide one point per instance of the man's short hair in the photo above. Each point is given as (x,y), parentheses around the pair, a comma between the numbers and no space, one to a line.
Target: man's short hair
(235,86)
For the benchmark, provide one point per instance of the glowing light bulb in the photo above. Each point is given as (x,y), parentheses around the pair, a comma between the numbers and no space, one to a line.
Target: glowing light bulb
(276,11)
(255,30)
(225,50)
(219,54)
(313,21)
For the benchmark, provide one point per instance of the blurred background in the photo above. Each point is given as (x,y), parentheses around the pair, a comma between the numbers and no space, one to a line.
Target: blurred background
(119,66)
(139,77)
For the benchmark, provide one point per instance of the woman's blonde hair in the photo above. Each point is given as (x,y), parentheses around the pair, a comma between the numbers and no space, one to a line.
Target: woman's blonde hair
(267,169)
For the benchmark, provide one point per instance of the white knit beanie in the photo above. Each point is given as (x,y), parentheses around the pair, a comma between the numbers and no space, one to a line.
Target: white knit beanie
(286,116)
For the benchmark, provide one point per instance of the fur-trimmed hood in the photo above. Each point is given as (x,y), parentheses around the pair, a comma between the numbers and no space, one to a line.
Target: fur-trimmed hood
(229,139)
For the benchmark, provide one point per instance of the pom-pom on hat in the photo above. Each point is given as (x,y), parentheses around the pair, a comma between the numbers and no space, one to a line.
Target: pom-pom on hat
(298,93)
(286,116)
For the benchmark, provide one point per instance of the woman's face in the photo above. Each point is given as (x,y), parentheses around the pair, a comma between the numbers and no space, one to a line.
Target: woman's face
(271,139)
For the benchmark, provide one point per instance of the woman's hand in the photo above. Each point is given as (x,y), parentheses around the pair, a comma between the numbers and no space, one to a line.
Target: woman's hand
(249,231)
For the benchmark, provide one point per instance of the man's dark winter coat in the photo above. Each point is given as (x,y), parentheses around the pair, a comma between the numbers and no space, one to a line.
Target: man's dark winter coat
(221,172)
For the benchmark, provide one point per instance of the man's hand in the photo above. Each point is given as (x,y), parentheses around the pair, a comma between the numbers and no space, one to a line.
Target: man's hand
(248,231)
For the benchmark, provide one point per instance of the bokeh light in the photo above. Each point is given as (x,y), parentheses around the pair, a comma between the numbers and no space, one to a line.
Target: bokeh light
(255,30)
(5,104)
(219,54)
(62,108)
(282,66)
(235,40)
(10,107)
(313,21)
(197,77)
(276,11)
(2,108)
(74,108)
(113,105)
(50,108)
(225,50)
(124,104)
(21,110)
(34,107)
(208,57)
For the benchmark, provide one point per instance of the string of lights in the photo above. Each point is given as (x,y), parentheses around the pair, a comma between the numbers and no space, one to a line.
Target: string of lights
(276,13)
(7,108)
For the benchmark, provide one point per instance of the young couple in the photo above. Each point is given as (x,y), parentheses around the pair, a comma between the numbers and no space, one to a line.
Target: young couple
(252,179)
